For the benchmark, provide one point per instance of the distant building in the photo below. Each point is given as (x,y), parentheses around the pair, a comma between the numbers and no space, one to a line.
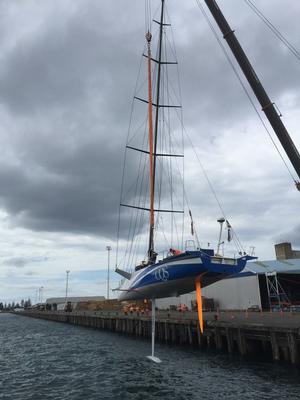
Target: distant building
(284,251)
(263,284)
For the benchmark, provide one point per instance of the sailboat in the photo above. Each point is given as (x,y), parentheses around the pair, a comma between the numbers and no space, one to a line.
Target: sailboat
(179,271)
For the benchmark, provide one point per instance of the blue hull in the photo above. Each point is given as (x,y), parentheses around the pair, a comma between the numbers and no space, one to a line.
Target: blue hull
(176,275)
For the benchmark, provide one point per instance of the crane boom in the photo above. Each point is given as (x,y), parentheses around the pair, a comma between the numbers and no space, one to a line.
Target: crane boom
(258,89)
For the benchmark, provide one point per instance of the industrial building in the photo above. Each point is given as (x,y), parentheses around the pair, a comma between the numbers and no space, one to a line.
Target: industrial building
(261,285)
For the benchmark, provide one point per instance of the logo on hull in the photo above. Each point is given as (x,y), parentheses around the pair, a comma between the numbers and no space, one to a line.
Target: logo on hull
(161,274)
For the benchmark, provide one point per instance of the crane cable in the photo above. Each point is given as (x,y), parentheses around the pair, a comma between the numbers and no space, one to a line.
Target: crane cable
(245,89)
(273,28)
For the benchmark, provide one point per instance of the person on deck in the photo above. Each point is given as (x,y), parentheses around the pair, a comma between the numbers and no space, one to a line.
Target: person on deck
(175,252)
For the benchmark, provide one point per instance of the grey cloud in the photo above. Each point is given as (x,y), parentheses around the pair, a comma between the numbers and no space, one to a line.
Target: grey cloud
(73,200)
(20,262)
(210,87)
(66,93)
(54,68)
(292,236)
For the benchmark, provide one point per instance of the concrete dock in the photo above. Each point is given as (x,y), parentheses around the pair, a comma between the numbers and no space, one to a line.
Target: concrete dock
(274,336)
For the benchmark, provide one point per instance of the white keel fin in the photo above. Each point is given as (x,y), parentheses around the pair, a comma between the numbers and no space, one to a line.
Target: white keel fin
(154,359)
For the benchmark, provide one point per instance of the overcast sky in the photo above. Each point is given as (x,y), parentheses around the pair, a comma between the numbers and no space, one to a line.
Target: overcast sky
(67,75)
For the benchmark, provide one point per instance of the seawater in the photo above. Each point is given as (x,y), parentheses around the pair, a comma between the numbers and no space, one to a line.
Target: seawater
(42,360)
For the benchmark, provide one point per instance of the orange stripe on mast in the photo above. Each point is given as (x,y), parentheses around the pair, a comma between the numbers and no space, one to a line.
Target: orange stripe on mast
(150,129)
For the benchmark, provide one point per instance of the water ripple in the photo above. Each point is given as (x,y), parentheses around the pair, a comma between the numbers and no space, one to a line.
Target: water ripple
(41,360)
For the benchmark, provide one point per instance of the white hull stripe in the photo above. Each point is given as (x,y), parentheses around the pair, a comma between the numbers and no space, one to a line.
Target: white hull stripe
(195,260)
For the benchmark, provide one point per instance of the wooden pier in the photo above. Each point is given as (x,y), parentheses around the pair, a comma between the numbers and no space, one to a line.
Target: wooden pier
(274,336)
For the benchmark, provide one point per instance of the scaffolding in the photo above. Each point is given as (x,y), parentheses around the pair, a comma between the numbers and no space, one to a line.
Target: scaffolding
(276,293)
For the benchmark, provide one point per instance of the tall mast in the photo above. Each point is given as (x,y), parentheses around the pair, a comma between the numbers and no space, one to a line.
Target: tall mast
(150,139)
(258,89)
(153,146)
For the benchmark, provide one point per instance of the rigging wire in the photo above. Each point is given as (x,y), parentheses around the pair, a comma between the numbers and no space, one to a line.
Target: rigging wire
(245,89)
(133,221)
(139,216)
(168,128)
(179,112)
(170,55)
(148,16)
(141,203)
(273,28)
(168,146)
(238,243)
(136,226)
(124,162)
(180,117)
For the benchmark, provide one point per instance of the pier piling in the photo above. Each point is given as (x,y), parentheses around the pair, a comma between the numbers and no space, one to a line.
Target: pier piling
(278,338)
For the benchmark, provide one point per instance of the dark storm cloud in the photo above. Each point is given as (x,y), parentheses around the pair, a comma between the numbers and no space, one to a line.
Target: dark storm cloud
(65,93)
(78,196)
(63,63)
(62,88)
(20,262)
(209,81)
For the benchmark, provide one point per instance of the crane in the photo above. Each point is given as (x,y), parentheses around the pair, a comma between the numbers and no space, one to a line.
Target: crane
(266,104)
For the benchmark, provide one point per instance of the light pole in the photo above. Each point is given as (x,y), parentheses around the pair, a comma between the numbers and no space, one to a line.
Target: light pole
(41,294)
(108,248)
(67,285)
